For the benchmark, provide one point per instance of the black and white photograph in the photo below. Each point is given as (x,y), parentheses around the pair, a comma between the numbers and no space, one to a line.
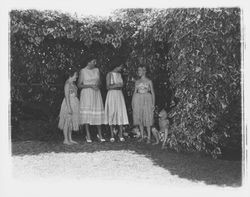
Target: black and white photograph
(108,98)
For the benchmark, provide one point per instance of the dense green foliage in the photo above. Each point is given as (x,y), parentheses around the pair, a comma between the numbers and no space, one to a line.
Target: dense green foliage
(193,58)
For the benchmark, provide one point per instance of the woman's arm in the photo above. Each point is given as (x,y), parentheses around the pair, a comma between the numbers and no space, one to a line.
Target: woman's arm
(108,80)
(67,97)
(98,81)
(119,85)
(152,92)
(134,96)
(80,80)
(112,86)
(115,86)
(81,84)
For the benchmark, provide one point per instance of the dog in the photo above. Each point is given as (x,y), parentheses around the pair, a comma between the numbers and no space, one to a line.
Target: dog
(162,134)
(136,132)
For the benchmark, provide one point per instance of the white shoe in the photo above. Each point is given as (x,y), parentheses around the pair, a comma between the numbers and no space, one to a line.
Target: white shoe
(88,140)
(122,139)
(101,139)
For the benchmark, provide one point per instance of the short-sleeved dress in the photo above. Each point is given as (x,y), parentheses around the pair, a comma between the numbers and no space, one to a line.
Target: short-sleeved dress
(91,104)
(115,108)
(143,105)
(67,120)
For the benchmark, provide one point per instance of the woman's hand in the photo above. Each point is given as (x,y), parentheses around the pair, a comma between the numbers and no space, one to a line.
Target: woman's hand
(95,87)
(80,86)
(120,85)
(115,86)
(70,111)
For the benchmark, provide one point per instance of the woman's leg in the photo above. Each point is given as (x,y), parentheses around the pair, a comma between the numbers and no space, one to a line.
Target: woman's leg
(80,130)
(66,137)
(142,132)
(111,131)
(70,137)
(87,132)
(120,132)
(149,134)
(99,131)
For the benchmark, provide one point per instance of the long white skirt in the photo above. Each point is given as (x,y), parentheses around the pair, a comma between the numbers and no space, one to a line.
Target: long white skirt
(115,108)
(91,107)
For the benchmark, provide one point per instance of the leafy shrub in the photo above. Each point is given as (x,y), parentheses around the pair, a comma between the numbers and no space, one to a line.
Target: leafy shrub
(193,57)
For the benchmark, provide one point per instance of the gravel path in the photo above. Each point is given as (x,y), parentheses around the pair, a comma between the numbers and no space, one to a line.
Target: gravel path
(49,168)
(110,165)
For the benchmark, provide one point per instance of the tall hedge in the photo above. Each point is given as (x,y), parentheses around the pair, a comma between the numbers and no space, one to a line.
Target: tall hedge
(193,57)
(206,72)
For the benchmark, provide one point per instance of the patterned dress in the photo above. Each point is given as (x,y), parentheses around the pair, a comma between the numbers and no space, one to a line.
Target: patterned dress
(143,105)
(67,120)
(115,108)
(91,104)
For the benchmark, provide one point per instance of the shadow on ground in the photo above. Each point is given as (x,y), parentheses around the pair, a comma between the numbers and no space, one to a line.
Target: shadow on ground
(193,167)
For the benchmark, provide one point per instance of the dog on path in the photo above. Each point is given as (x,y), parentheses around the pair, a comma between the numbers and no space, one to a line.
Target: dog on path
(162,134)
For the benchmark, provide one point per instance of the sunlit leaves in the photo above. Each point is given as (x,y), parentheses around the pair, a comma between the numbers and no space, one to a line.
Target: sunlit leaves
(212,78)
(191,54)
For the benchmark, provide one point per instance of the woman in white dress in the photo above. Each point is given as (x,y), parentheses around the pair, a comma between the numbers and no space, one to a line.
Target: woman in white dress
(115,108)
(69,112)
(91,104)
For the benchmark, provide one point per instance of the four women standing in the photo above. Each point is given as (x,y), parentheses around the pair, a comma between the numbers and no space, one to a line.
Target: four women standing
(90,109)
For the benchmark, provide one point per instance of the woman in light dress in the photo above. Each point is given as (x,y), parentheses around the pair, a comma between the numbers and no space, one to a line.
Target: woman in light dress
(69,113)
(143,103)
(115,108)
(91,104)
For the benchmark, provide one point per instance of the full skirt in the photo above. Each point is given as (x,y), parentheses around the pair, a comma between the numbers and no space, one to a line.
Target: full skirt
(67,120)
(143,109)
(91,107)
(115,108)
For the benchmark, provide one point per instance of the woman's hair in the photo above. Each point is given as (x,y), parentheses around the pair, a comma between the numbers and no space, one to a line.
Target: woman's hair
(90,58)
(115,62)
(143,66)
(69,73)
(84,60)
(112,67)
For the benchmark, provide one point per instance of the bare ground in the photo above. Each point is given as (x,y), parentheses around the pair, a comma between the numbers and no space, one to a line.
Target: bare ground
(128,161)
